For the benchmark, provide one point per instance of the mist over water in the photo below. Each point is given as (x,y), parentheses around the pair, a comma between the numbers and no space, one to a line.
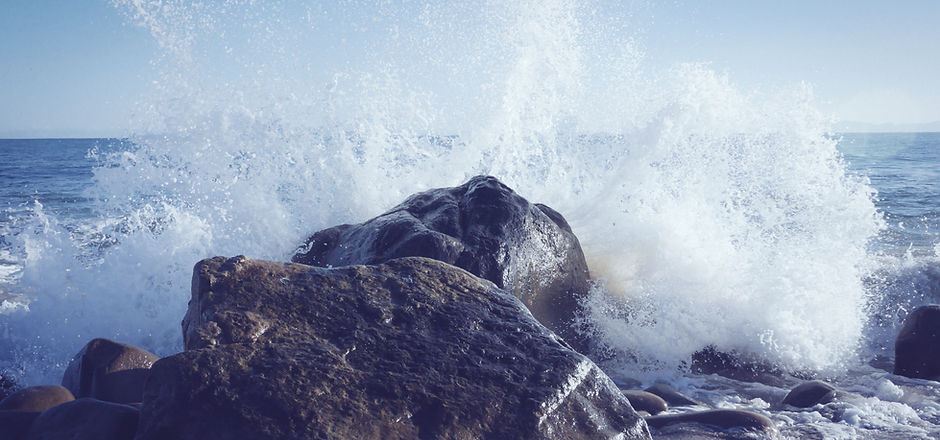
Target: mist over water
(711,215)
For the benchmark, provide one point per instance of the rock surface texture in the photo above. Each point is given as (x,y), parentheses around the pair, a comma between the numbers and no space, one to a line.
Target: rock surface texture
(413,348)
(917,348)
(483,227)
(109,371)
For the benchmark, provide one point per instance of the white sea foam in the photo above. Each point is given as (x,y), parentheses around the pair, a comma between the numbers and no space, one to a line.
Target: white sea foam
(715,216)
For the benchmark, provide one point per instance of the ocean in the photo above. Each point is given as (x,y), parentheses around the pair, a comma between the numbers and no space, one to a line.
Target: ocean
(710,216)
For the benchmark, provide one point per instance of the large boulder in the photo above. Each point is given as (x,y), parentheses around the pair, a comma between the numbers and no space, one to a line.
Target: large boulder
(109,371)
(481,226)
(917,348)
(413,348)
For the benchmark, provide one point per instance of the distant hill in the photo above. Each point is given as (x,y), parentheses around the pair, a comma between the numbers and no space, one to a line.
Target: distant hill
(865,127)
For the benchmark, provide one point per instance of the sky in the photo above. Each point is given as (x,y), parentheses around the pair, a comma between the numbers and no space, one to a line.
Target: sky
(69,68)
(868,61)
(82,69)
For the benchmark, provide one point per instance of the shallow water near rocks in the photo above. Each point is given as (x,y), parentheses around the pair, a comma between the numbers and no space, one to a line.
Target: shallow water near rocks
(711,215)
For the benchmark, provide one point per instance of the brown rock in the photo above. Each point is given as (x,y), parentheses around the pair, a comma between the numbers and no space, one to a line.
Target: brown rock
(671,396)
(810,393)
(645,401)
(413,348)
(481,226)
(719,418)
(109,371)
(36,398)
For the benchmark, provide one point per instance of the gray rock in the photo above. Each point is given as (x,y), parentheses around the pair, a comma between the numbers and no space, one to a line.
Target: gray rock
(810,393)
(671,396)
(481,226)
(85,419)
(917,348)
(36,398)
(413,348)
(109,371)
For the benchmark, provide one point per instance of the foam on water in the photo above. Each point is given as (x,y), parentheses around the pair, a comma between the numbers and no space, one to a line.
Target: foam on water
(712,215)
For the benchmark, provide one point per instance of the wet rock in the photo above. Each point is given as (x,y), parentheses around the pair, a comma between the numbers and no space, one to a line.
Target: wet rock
(481,226)
(645,401)
(810,393)
(671,396)
(736,366)
(413,348)
(15,424)
(917,348)
(718,418)
(36,398)
(109,371)
(85,419)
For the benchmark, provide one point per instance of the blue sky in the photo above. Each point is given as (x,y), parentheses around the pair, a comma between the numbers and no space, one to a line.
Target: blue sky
(70,68)
(870,61)
(81,69)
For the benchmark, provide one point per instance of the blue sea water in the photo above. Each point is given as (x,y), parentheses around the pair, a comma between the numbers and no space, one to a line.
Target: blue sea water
(905,170)
(54,172)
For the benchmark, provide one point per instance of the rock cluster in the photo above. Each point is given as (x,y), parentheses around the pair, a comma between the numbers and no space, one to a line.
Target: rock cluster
(108,378)
(446,317)
(387,347)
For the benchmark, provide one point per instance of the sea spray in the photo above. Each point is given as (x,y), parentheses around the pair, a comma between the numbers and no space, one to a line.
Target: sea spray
(742,230)
(711,215)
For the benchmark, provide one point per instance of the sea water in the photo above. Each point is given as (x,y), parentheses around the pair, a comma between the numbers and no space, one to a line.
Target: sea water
(711,216)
